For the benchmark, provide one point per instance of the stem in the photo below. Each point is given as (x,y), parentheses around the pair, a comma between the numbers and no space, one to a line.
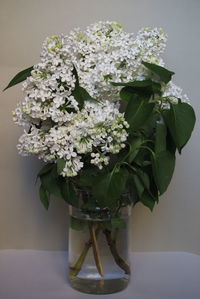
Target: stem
(131,167)
(135,149)
(78,265)
(118,259)
(95,249)
(115,235)
(149,149)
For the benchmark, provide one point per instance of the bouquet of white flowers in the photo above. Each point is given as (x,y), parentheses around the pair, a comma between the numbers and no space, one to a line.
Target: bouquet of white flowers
(101,110)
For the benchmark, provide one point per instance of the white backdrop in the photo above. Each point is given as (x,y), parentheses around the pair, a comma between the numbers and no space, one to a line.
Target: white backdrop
(24,24)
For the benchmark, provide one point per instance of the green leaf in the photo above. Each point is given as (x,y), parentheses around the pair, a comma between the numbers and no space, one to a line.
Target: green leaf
(109,187)
(142,88)
(85,181)
(171,146)
(163,164)
(156,88)
(143,188)
(149,84)
(77,95)
(163,74)
(50,181)
(80,94)
(46,168)
(76,223)
(135,144)
(143,157)
(149,126)
(160,137)
(126,94)
(180,120)
(21,76)
(85,95)
(118,223)
(68,193)
(44,196)
(137,112)
(147,200)
(87,177)
(60,165)
(76,76)
(143,83)
(144,178)
(138,185)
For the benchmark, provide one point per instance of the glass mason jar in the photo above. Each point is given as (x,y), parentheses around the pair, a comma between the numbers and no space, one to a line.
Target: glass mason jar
(99,247)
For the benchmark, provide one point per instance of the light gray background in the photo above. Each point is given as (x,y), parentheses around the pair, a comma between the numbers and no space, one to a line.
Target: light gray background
(24,24)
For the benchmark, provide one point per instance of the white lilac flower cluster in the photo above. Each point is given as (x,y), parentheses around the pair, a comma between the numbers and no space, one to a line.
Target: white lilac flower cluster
(96,130)
(102,53)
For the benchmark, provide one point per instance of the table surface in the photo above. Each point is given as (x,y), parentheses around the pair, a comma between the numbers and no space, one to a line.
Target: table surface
(34,274)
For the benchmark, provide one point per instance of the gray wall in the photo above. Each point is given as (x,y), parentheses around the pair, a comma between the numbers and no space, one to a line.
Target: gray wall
(174,224)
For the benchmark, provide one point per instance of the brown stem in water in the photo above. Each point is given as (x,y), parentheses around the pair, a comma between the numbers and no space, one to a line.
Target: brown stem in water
(78,265)
(92,242)
(95,248)
(112,245)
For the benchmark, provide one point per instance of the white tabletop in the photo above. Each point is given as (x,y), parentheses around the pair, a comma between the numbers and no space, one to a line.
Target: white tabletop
(32,274)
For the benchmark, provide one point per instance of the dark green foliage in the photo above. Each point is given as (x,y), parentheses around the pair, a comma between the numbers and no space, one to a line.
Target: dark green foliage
(44,196)
(80,94)
(87,177)
(109,187)
(60,165)
(160,137)
(163,164)
(145,87)
(53,184)
(50,182)
(21,76)
(155,134)
(138,112)
(148,200)
(134,147)
(180,120)
(45,169)
(163,74)
(68,193)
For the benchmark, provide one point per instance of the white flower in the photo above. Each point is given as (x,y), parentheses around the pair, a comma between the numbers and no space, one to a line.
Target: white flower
(72,167)
(101,54)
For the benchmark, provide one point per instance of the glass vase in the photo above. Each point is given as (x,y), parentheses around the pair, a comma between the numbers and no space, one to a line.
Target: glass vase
(99,247)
